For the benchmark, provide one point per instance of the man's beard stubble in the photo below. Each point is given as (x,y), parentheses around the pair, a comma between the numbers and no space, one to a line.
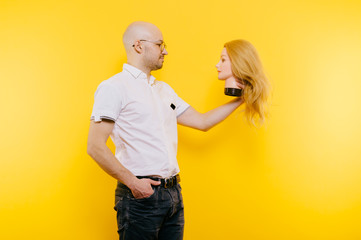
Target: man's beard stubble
(153,65)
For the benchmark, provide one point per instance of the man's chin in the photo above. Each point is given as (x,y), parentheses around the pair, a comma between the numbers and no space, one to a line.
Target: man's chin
(159,66)
(155,68)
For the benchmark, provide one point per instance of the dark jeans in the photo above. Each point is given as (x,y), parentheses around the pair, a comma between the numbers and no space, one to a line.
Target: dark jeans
(158,217)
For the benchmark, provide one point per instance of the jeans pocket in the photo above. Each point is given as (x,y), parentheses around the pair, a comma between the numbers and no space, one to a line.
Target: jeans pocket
(149,197)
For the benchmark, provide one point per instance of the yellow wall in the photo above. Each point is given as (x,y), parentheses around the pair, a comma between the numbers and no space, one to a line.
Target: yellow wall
(297,178)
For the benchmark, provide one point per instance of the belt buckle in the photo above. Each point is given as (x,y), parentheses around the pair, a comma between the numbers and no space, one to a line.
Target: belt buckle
(168,182)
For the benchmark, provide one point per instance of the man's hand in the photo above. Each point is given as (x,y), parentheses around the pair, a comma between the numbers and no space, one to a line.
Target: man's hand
(142,188)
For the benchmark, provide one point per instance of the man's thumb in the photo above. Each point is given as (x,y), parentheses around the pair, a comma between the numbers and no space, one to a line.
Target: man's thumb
(153,182)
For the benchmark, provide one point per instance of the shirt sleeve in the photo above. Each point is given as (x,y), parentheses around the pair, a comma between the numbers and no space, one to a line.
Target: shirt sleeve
(107,103)
(181,105)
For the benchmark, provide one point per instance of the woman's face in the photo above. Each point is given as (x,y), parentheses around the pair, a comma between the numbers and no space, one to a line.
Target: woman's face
(224,66)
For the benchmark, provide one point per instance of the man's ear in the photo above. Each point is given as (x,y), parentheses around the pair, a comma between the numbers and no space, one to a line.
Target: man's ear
(138,47)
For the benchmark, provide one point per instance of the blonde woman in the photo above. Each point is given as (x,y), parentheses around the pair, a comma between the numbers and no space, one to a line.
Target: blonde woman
(241,68)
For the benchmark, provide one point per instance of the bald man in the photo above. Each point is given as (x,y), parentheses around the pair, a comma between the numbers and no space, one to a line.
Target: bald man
(140,114)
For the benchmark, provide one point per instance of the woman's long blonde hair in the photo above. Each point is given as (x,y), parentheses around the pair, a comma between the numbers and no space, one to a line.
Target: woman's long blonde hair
(248,70)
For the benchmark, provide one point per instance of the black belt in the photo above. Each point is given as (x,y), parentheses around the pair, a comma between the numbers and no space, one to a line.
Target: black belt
(164,182)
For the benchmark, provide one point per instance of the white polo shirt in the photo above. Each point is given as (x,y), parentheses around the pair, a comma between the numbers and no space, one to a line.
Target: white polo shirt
(145,115)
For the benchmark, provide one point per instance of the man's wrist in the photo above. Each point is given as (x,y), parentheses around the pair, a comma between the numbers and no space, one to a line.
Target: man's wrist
(132,182)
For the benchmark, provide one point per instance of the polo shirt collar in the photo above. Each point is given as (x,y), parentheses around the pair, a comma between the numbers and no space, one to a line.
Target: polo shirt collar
(136,73)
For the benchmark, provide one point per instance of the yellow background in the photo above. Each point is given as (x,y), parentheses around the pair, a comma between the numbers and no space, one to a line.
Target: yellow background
(296,178)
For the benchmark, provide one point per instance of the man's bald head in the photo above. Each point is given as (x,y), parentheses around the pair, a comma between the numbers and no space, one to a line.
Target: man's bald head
(144,45)
(140,30)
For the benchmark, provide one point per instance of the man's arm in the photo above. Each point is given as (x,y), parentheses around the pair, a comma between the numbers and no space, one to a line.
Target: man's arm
(99,133)
(204,122)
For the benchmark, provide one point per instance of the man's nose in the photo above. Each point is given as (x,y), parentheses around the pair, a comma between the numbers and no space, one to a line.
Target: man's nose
(165,52)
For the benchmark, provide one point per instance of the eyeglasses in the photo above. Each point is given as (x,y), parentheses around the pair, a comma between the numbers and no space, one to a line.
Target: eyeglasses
(161,45)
